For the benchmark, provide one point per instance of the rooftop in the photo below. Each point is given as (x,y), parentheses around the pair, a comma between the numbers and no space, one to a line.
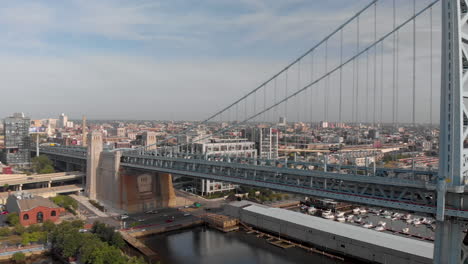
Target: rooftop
(407,245)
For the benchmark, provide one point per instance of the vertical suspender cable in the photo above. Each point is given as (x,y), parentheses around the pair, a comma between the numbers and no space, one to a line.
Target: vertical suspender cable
(275,114)
(357,73)
(414,64)
(286,95)
(397,88)
(311,89)
(264,103)
(354,93)
(367,87)
(298,88)
(327,81)
(255,104)
(375,65)
(381,81)
(394,65)
(430,72)
(341,76)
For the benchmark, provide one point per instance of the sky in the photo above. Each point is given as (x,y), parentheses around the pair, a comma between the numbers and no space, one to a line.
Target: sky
(152,59)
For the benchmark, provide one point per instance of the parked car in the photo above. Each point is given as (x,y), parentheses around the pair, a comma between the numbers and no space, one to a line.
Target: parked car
(4,212)
(169,220)
(123,216)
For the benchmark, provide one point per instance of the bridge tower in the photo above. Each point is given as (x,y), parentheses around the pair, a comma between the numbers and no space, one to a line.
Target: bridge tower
(92,162)
(84,132)
(453,164)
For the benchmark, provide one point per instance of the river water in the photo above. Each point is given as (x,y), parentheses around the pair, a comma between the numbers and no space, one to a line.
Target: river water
(202,245)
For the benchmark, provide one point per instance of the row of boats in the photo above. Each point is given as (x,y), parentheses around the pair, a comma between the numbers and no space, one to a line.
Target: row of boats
(356,218)
(408,218)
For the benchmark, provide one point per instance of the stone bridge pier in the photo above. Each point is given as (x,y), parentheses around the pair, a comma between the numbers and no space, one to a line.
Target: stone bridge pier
(121,188)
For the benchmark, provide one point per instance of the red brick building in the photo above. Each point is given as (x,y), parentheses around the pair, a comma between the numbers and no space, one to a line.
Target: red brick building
(33,210)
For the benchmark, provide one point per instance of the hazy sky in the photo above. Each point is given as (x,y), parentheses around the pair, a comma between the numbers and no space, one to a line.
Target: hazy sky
(150,59)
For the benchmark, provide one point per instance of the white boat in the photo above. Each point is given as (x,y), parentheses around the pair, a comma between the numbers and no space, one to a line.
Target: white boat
(406,217)
(409,221)
(363,211)
(388,217)
(311,210)
(416,222)
(341,219)
(382,223)
(328,215)
(394,218)
(356,210)
(350,218)
(405,230)
(358,220)
(379,228)
(340,214)
(368,225)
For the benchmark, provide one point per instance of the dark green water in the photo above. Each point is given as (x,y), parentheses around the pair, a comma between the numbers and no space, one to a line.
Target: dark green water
(207,246)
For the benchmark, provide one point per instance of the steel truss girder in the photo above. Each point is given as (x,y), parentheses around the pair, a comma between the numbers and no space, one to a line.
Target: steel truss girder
(351,188)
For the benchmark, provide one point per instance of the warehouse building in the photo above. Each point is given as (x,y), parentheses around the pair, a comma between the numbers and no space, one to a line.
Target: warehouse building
(345,239)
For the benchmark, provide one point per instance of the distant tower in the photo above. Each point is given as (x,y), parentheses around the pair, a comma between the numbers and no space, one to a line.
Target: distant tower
(149,139)
(92,162)
(84,130)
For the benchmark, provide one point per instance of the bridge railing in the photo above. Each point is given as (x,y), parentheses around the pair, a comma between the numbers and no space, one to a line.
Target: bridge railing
(407,175)
(76,151)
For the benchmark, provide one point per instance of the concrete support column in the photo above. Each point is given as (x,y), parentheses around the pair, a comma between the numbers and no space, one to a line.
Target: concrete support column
(93,158)
(168,197)
(49,184)
(20,187)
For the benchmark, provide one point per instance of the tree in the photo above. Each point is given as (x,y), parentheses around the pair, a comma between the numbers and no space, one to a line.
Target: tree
(13,219)
(5,231)
(19,257)
(19,229)
(48,226)
(42,165)
(5,187)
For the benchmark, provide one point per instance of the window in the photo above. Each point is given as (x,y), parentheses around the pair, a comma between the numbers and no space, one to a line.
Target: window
(25,217)
(53,213)
(40,217)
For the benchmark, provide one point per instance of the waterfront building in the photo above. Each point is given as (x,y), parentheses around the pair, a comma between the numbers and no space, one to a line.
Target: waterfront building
(33,209)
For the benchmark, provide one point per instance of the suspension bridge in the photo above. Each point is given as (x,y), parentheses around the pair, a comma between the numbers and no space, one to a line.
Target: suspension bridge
(381,68)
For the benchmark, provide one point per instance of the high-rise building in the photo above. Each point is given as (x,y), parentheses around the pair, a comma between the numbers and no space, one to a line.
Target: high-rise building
(282,121)
(266,141)
(17,141)
(63,121)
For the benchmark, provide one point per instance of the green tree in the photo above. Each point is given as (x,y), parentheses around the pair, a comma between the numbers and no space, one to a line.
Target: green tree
(42,165)
(135,260)
(5,231)
(48,226)
(66,202)
(5,187)
(33,228)
(19,257)
(13,219)
(19,229)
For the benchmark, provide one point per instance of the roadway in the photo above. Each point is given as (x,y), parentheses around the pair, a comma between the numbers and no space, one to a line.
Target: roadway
(18,179)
